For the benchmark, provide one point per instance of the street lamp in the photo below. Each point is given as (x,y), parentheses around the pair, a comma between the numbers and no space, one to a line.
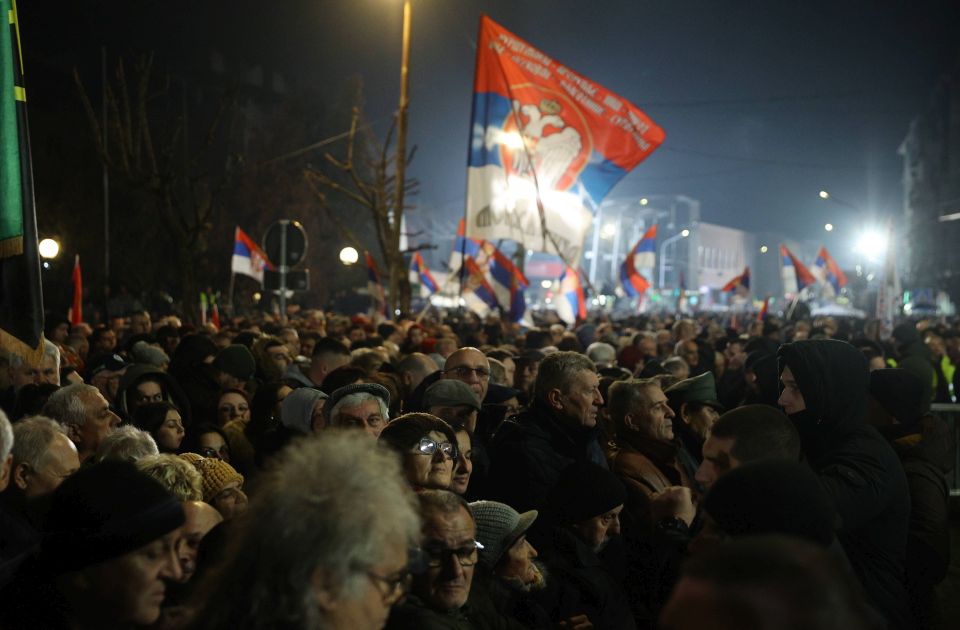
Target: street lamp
(828,227)
(401,158)
(349,256)
(764,249)
(48,248)
(684,233)
(824,194)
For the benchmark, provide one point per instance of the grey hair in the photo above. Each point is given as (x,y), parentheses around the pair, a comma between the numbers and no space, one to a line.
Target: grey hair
(328,507)
(558,371)
(601,352)
(355,400)
(6,437)
(443,501)
(50,349)
(128,444)
(674,365)
(498,371)
(624,397)
(175,474)
(32,438)
(66,405)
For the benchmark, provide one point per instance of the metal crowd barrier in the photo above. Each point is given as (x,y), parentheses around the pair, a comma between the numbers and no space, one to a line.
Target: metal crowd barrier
(950,412)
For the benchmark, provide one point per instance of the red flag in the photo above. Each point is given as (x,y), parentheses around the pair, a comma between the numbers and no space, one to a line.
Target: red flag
(743,280)
(76,309)
(215,315)
(762,315)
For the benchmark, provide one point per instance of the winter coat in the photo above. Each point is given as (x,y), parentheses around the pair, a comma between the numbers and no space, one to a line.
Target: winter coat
(477,614)
(647,467)
(134,375)
(528,453)
(856,465)
(915,357)
(591,588)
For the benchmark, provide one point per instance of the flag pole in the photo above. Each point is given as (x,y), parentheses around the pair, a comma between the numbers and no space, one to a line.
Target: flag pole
(233,276)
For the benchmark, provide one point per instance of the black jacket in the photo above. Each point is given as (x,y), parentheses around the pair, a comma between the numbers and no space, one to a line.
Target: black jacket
(528,453)
(856,465)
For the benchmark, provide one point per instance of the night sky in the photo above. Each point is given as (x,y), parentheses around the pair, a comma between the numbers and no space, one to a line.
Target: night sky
(763,103)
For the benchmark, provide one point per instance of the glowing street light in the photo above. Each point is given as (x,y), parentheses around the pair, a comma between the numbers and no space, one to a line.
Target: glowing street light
(644,201)
(349,256)
(48,248)
(684,233)
(824,194)
(828,227)
(872,245)
(609,230)
(764,249)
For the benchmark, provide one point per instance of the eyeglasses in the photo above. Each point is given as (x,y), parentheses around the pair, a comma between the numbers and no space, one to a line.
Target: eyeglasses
(466,555)
(429,447)
(465,371)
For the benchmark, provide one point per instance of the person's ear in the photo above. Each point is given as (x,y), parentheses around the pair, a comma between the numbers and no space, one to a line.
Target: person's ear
(630,422)
(20,475)
(683,413)
(73,432)
(325,591)
(5,471)
(554,399)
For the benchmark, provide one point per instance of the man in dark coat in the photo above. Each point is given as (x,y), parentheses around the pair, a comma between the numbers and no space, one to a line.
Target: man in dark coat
(825,385)
(528,454)
(924,444)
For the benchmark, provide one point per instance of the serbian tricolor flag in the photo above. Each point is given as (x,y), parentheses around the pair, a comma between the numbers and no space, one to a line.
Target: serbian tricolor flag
(508,284)
(571,305)
(644,255)
(421,274)
(248,258)
(544,136)
(76,307)
(794,273)
(477,292)
(375,287)
(762,314)
(741,281)
(830,270)
(464,246)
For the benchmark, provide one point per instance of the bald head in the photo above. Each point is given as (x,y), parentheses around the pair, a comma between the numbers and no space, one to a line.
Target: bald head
(470,366)
(200,519)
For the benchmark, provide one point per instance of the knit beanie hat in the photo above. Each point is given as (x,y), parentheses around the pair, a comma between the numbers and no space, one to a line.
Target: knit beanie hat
(296,410)
(237,361)
(105,511)
(499,526)
(585,490)
(772,497)
(217,474)
(899,392)
(142,352)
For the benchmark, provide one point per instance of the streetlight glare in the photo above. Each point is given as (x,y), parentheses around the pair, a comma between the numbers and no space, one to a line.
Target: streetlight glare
(349,256)
(872,244)
(828,227)
(824,194)
(546,284)
(48,248)
(609,230)
(685,233)
(644,201)
(764,249)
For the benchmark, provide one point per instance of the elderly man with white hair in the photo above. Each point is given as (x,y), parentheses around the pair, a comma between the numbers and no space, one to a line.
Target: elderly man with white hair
(359,406)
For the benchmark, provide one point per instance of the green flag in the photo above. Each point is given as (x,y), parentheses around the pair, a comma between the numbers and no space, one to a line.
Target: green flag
(21,298)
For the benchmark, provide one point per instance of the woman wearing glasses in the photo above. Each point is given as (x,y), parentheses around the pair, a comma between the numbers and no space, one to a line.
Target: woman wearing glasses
(428,447)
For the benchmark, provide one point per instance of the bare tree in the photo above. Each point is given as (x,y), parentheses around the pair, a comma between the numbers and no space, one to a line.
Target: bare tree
(366,176)
(148,145)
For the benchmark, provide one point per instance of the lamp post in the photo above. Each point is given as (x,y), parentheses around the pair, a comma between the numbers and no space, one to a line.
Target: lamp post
(401,165)
(349,256)
(684,233)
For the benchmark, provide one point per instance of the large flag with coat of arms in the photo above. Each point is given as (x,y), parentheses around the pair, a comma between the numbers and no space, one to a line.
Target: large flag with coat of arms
(543,134)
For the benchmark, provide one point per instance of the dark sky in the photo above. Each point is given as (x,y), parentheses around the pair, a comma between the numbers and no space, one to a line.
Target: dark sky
(764,103)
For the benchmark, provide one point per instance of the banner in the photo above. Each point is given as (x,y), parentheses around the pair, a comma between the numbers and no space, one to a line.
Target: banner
(21,296)
(544,134)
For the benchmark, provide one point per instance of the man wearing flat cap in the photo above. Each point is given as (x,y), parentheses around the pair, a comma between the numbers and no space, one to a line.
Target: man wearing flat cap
(696,409)
(359,406)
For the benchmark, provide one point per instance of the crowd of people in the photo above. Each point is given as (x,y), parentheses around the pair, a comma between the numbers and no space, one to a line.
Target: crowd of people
(448,472)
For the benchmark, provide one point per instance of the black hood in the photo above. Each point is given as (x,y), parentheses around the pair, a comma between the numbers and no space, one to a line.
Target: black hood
(834,380)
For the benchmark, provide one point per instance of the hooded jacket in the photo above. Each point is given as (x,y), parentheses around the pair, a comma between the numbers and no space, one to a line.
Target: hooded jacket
(136,374)
(856,466)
